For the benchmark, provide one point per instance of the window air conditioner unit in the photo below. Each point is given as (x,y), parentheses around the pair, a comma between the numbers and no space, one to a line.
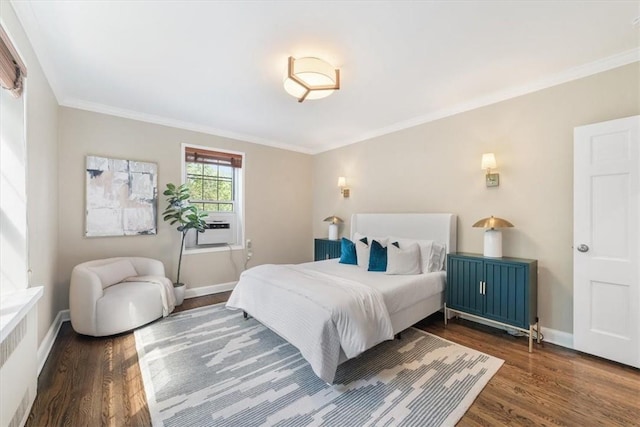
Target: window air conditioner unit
(220,230)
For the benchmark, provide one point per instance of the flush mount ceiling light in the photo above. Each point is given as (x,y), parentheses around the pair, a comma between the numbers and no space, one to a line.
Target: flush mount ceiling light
(311,78)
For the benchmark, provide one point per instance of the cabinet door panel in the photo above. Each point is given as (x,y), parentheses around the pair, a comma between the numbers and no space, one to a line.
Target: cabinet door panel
(326,249)
(463,286)
(505,296)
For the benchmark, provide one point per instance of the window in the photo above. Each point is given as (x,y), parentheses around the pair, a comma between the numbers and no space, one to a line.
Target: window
(214,178)
(211,177)
(13,155)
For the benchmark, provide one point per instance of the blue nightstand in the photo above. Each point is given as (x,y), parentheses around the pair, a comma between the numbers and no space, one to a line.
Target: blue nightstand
(503,291)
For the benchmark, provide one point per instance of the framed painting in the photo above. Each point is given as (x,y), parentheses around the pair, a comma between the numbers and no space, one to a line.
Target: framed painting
(121,197)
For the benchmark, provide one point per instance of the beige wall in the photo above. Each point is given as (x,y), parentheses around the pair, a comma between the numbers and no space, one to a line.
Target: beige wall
(435,167)
(428,168)
(277,195)
(42,171)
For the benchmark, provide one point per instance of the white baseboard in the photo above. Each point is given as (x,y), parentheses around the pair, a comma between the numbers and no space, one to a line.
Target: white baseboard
(47,343)
(561,338)
(553,336)
(208,290)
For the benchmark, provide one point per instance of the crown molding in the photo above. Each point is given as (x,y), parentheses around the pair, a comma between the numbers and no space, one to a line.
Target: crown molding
(178,124)
(575,73)
(599,66)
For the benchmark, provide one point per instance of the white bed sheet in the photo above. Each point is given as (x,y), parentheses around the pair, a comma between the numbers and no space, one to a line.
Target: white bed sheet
(321,314)
(330,310)
(398,291)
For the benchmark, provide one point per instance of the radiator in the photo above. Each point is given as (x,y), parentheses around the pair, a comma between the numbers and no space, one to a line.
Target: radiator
(18,356)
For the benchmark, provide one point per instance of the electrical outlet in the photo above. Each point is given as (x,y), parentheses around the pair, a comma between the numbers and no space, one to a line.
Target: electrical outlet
(249,246)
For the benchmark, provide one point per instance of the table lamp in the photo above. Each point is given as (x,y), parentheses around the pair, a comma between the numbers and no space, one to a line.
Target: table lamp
(333,226)
(492,237)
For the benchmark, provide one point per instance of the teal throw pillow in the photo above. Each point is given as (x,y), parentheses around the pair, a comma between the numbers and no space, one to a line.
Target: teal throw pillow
(348,252)
(377,257)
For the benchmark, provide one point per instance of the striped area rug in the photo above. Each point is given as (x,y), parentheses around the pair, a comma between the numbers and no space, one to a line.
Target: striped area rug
(210,367)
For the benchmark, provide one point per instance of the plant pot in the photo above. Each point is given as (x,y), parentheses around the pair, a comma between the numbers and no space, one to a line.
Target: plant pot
(178,291)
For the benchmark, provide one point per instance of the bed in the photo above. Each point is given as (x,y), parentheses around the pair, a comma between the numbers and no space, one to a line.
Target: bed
(333,312)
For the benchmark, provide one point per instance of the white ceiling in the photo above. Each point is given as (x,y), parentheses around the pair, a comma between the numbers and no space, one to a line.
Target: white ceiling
(218,67)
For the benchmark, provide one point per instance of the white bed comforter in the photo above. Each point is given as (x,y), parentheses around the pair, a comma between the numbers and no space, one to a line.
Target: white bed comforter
(316,312)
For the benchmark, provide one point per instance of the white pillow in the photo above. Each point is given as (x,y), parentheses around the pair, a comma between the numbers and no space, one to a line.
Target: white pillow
(403,260)
(438,257)
(425,250)
(382,240)
(363,250)
(432,254)
(114,272)
(362,253)
(357,236)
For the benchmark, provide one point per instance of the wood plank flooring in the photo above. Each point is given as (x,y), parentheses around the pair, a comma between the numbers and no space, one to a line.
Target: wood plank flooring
(96,381)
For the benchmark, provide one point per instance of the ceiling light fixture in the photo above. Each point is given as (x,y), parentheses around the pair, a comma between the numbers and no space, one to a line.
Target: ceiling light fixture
(311,78)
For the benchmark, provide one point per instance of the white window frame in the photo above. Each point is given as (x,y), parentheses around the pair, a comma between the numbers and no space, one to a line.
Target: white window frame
(22,173)
(238,203)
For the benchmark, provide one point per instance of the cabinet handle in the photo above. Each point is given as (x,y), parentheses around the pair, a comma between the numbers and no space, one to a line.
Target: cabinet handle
(483,287)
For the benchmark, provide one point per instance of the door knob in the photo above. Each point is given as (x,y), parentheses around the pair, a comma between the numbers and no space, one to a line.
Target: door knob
(583,248)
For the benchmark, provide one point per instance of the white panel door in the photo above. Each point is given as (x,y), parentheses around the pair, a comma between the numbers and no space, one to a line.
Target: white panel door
(606,261)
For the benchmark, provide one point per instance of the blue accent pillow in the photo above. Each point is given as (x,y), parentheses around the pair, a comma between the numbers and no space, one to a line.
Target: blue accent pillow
(348,252)
(377,257)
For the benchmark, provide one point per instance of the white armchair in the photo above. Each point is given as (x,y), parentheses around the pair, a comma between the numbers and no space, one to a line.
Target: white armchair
(115,295)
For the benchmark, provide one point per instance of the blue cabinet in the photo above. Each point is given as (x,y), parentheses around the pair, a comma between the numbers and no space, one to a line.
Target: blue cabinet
(326,249)
(499,290)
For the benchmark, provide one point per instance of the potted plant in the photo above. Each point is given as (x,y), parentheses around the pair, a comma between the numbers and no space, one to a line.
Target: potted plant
(188,217)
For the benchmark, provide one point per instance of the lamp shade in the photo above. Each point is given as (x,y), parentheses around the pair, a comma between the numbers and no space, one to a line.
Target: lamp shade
(342,181)
(333,220)
(488,161)
(311,78)
(492,222)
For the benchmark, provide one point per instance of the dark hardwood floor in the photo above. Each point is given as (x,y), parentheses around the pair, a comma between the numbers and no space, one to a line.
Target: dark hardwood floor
(96,381)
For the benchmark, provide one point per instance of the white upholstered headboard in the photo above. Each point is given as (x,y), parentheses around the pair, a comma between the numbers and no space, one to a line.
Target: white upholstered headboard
(441,227)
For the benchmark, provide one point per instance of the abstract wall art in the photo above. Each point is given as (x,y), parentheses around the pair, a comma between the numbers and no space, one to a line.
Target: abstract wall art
(121,198)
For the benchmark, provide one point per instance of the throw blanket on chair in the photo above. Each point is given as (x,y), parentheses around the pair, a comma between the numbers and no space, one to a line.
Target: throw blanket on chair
(166,290)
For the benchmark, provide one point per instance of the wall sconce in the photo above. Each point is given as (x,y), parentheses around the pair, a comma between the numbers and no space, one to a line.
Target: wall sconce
(488,163)
(492,237)
(342,183)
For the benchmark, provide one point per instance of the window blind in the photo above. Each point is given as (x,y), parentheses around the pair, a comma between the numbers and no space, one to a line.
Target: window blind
(198,155)
(12,69)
